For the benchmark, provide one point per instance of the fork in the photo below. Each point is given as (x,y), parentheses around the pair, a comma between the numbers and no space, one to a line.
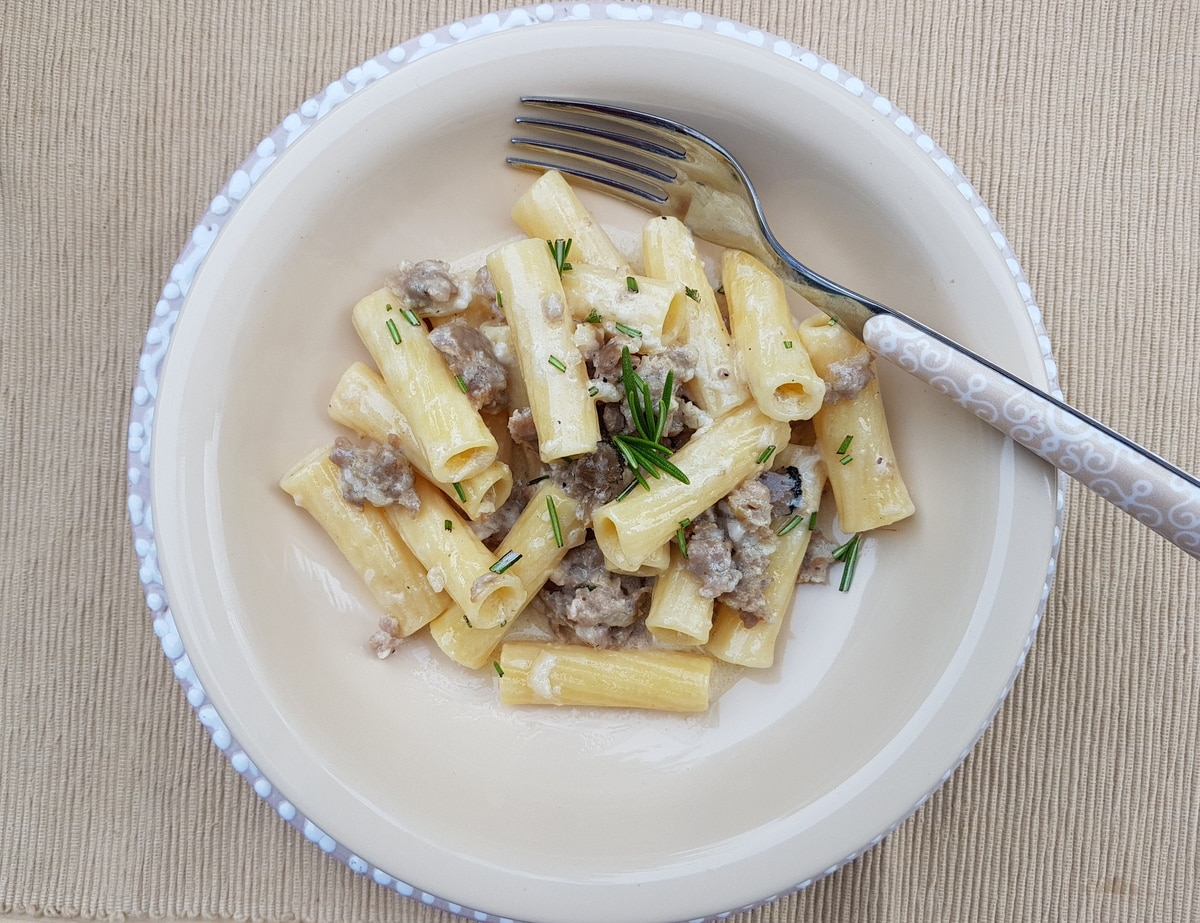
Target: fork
(669,168)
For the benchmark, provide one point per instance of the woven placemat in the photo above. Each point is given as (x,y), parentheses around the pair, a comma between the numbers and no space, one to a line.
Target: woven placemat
(1078,125)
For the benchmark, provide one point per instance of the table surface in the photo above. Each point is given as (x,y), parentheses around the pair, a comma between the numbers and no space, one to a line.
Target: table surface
(1077,123)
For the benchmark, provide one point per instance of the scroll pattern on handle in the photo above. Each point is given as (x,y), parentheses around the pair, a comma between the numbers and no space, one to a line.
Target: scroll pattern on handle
(1133,481)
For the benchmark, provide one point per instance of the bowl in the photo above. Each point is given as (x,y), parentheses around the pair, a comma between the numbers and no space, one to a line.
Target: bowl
(407,769)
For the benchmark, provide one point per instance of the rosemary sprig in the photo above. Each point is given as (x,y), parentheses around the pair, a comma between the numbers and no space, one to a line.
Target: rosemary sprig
(848,555)
(559,249)
(555,525)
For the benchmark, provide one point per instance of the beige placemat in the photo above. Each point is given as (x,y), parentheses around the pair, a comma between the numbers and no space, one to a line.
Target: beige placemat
(1078,124)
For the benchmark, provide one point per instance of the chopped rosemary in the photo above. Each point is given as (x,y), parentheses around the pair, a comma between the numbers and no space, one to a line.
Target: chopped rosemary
(787,344)
(499,669)
(554,523)
(462,384)
(594,317)
(692,293)
(681,537)
(766,454)
(559,249)
(557,363)
(458,489)
(791,524)
(507,560)
(845,446)
(448,526)
(394,331)
(631,283)
(626,329)
(408,315)
(848,555)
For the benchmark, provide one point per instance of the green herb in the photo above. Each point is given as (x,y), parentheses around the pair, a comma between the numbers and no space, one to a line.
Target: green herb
(499,299)
(387,307)
(394,331)
(593,391)
(766,453)
(641,454)
(507,560)
(846,459)
(557,363)
(842,449)
(448,526)
(631,283)
(692,293)
(467,620)
(462,385)
(559,249)
(787,344)
(833,322)
(554,523)
(681,537)
(499,669)
(627,330)
(594,317)
(791,524)
(721,289)
(458,489)
(848,555)
(812,522)
(408,315)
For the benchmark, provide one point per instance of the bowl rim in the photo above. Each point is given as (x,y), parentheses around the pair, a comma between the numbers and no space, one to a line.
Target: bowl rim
(225,204)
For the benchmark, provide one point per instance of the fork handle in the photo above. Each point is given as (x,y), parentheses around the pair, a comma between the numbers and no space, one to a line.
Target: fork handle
(1132,478)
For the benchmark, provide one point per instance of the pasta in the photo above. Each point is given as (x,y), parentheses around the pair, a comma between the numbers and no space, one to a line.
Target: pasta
(572,469)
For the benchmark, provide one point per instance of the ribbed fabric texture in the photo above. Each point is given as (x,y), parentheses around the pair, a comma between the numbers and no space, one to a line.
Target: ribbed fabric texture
(1077,122)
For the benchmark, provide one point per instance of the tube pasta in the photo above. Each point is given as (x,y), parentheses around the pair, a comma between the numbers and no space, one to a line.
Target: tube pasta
(716,459)
(551,210)
(540,673)
(678,613)
(556,377)
(868,487)
(388,568)
(637,303)
(754,645)
(770,352)
(669,252)
(451,433)
(533,533)
(361,402)
(455,559)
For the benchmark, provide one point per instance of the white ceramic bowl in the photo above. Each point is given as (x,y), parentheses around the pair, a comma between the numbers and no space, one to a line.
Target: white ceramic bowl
(406,768)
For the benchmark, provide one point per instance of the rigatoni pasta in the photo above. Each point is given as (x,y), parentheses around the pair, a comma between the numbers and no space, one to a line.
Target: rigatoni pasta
(633,501)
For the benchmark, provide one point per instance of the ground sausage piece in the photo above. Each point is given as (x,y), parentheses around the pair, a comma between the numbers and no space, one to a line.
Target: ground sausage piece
(522,428)
(470,356)
(591,480)
(374,473)
(584,601)
(746,515)
(426,285)
(818,558)
(710,557)
(386,640)
(847,377)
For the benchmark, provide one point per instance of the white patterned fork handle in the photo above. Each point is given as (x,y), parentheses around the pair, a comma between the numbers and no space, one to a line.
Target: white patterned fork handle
(1147,488)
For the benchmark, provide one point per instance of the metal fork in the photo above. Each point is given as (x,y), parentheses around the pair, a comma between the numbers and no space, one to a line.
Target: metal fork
(671,169)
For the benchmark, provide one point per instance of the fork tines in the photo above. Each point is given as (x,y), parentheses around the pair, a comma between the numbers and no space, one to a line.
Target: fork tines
(622,150)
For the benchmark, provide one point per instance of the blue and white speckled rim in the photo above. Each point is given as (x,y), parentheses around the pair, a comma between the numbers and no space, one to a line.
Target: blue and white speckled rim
(225,204)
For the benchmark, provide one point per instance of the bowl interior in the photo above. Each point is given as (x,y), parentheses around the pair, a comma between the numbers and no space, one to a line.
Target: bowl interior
(876,693)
